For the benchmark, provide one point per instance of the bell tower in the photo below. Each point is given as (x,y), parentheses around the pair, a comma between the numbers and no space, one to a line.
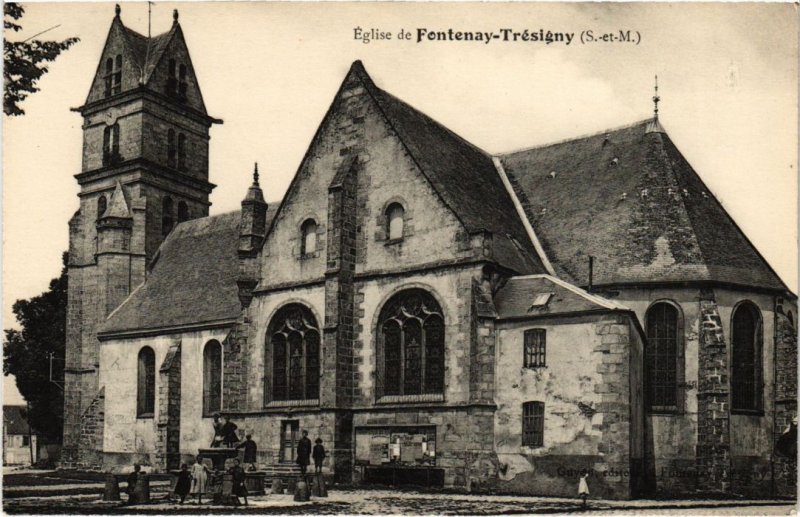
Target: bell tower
(144,170)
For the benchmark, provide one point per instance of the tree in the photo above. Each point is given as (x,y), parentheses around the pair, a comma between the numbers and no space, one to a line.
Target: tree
(24,62)
(26,355)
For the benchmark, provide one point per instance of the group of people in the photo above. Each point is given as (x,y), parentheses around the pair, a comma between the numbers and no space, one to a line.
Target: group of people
(305,452)
(195,481)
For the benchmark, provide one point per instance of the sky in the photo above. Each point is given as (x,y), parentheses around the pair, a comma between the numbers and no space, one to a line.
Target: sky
(270,70)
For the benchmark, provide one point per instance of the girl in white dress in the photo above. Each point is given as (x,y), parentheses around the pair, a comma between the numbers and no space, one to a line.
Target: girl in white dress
(199,479)
(583,489)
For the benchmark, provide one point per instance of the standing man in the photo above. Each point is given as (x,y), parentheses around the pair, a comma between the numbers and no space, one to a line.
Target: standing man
(228,430)
(304,453)
(250,450)
(133,477)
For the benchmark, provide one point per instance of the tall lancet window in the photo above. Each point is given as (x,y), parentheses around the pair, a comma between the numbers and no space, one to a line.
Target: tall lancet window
(146,383)
(212,378)
(746,349)
(662,355)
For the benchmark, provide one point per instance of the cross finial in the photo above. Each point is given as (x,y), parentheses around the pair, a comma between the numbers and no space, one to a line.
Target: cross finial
(174,16)
(117,9)
(255,175)
(656,100)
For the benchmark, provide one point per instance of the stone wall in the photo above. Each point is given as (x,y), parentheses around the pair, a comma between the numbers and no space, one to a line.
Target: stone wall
(587,398)
(168,424)
(91,434)
(785,468)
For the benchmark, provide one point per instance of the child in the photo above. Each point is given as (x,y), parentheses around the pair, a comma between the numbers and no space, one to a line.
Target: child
(184,481)
(583,489)
(319,455)
(239,488)
(199,478)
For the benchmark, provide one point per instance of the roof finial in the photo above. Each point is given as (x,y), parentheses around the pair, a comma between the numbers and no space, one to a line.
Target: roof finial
(117,9)
(174,16)
(255,175)
(656,100)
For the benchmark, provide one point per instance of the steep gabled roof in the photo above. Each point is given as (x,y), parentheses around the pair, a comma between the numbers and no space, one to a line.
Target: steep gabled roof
(192,281)
(463,176)
(630,199)
(518,297)
(142,62)
(148,58)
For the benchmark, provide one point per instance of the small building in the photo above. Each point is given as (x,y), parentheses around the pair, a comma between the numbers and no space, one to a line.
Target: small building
(19,444)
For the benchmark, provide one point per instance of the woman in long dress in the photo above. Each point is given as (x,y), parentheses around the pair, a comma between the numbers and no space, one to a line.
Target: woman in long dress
(199,479)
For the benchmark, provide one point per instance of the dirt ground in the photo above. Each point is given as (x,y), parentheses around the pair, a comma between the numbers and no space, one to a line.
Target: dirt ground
(50,492)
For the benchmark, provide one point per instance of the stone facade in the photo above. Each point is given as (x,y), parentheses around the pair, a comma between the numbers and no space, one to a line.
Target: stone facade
(465,434)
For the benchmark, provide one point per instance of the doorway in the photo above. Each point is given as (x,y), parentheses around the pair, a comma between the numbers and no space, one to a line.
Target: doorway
(290,429)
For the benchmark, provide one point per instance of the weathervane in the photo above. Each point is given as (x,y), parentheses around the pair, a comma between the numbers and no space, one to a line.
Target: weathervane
(656,100)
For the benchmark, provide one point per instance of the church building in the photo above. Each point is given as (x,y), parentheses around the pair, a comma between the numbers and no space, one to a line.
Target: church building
(433,313)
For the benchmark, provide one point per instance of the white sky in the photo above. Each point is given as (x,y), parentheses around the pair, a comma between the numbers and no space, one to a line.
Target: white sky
(727,76)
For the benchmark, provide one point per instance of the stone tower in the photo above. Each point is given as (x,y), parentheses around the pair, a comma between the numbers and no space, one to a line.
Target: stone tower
(145,169)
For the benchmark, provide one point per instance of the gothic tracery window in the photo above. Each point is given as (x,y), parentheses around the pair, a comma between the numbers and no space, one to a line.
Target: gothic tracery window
(663,340)
(746,346)
(293,344)
(411,334)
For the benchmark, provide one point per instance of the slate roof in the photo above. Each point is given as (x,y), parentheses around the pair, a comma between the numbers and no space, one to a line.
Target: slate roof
(630,199)
(463,175)
(516,298)
(192,280)
(14,420)
(147,60)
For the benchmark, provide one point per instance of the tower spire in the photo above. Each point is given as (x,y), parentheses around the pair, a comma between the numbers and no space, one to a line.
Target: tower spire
(656,100)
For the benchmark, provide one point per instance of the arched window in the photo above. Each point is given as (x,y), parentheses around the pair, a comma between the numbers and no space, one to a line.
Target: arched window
(171,152)
(166,215)
(109,75)
(293,342)
(113,75)
(146,383)
(308,237)
(111,145)
(394,221)
(661,356)
(746,345)
(117,83)
(182,151)
(102,204)
(212,378)
(411,337)
(172,79)
(183,212)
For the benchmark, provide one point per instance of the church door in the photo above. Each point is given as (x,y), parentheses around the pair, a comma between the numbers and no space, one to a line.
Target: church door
(290,429)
